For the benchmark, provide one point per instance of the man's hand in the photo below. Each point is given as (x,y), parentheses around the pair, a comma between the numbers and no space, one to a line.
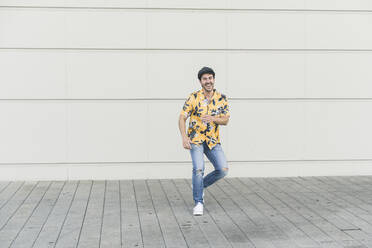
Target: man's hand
(207,118)
(223,120)
(186,142)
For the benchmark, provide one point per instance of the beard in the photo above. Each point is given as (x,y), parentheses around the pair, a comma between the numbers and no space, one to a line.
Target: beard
(208,89)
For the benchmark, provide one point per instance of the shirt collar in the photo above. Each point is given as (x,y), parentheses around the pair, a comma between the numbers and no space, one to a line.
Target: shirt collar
(213,96)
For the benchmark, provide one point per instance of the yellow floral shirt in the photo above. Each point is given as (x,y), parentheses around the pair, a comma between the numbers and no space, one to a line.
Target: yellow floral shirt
(196,106)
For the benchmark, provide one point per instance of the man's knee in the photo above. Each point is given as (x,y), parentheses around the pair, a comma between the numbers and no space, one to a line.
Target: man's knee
(225,171)
(198,171)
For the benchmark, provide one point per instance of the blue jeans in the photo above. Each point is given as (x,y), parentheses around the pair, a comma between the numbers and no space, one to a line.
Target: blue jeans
(217,158)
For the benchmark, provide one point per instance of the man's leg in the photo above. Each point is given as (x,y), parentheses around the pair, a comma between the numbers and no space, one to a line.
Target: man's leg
(197,156)
(218,159)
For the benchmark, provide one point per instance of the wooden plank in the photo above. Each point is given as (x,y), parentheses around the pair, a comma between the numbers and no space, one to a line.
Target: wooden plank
(290,213)
(349,210)
(151,232)
(257,234)
(324,202)
(15,202)
(15,224)
(172,233)
(353,214)
(215,237)
(111,226)
(7,193)
(307,213)
(312,203)
(91,231)
(293,232)
(361,192)
(352,196)
(130,223)
(51,229)
(326,212)
(190,228)
(355,183)
(30,231)
(364,181)
(341,186)
(258,210)
(71,229)
(231,230)
(4,185)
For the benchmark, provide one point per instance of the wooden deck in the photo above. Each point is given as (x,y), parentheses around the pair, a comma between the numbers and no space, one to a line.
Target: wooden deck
(239,212)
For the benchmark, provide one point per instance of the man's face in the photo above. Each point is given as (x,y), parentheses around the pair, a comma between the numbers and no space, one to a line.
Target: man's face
(207,82)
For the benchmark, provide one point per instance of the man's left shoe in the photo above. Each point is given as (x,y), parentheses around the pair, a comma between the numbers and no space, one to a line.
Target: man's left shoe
(198,209)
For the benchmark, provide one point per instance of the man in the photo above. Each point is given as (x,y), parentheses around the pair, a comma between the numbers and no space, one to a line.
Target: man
(207,109)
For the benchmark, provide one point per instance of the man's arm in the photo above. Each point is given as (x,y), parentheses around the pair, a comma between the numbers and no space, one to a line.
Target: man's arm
(185,113)
(224,116)
(223,120)
(182,126)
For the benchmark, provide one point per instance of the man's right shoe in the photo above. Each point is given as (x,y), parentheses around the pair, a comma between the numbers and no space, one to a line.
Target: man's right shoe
(198,209)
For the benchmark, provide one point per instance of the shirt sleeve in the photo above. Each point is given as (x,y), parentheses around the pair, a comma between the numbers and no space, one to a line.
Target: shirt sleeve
(225,108)
(187,107)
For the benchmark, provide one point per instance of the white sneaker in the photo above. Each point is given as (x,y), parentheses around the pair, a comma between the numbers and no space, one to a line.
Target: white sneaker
(198,209)
(203,195)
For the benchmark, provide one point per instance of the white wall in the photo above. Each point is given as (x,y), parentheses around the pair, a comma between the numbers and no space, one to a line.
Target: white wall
(73,73)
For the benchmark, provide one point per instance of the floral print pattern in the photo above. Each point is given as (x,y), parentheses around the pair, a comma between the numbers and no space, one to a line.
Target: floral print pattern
(195,107)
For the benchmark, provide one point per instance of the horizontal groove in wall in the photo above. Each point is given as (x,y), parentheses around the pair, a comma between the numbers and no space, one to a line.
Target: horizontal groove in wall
(186,162)
(187,49)
(176,99)
(188,9)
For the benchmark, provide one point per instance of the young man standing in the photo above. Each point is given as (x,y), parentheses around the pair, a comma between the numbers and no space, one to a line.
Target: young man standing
(207,109)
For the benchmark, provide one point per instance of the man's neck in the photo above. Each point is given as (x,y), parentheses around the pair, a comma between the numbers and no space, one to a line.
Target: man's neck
(208,94)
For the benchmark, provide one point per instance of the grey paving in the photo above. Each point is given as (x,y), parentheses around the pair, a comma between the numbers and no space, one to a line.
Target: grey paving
(282,212)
